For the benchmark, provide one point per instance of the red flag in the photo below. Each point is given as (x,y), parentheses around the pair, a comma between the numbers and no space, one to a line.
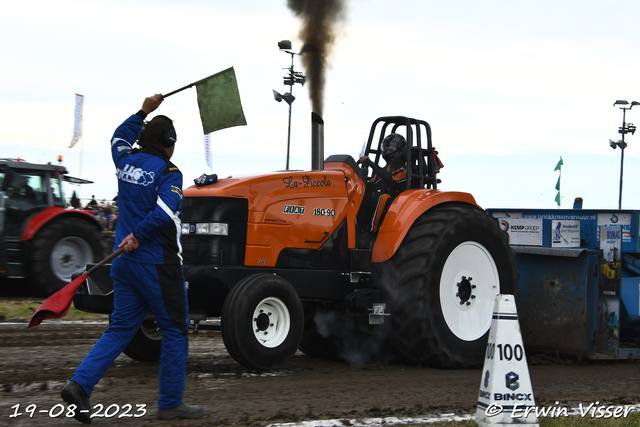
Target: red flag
(436,160)
(58,304)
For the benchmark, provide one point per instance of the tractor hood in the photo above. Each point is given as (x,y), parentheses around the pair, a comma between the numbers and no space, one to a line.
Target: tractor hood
(265,189)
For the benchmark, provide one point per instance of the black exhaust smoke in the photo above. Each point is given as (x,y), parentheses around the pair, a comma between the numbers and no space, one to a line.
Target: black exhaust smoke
(317,34)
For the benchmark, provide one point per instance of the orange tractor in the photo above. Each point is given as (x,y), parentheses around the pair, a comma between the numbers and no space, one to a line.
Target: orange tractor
(280,258)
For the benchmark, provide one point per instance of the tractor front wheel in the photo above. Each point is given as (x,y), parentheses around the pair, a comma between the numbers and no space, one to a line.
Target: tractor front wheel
(262,322)
(441,284)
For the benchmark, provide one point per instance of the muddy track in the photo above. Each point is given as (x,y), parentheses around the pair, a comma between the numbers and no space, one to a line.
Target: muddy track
(37,362)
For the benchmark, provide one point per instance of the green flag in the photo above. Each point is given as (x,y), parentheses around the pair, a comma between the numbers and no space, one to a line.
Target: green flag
(558,168)
(219,102)
(559,165)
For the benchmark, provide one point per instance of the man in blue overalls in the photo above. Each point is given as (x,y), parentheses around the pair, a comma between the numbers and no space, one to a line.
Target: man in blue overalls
(148,276)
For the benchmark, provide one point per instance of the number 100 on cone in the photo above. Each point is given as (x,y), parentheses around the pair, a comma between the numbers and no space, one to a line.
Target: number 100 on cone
(506,395)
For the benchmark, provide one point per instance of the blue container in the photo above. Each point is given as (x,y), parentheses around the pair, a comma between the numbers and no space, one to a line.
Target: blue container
(574,297)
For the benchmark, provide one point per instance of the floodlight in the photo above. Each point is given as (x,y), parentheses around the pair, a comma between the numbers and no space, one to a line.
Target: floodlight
(290,80)
(623,130)
(284,44)
(300,78)
(288,98)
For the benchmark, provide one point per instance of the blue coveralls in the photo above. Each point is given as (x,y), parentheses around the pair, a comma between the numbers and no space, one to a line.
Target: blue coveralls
(149,202)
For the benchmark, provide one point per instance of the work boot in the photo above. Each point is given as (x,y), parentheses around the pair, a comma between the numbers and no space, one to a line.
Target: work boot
(72,393)
(182,411)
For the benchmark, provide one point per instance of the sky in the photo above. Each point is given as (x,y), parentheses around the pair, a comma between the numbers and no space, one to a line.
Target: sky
(508,87)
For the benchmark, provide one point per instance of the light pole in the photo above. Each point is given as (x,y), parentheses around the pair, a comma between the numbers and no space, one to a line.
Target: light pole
(624,129)
(290,79)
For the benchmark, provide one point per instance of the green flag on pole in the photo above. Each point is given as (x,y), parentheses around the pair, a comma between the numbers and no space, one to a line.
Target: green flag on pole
(558,168)
(219,102)
(559,165)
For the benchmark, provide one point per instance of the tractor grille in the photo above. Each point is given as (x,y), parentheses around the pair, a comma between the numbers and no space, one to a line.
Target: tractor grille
(214,230)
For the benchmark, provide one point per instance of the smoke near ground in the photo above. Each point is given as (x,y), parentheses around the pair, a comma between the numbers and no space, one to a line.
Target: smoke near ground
(319,19)
(351,344)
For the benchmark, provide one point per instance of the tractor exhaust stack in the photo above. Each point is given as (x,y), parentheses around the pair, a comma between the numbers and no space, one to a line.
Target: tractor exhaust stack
(317,142)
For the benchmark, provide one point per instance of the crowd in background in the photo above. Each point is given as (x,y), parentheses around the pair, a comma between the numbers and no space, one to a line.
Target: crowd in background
(105,212)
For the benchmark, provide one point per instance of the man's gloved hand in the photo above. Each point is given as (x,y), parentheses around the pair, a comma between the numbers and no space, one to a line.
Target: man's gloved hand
(152,102)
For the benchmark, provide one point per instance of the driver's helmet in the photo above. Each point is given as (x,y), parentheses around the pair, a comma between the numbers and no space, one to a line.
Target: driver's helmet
(393,147)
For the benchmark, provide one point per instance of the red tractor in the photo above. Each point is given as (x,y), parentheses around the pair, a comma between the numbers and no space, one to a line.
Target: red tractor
(285,262)
(40,239)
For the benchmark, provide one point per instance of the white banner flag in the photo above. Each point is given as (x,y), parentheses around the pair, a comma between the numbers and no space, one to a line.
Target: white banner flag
(77,128)
(207,149)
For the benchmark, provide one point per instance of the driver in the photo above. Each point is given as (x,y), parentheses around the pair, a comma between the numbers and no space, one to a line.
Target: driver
(19,187)
(385,183)
(394,175)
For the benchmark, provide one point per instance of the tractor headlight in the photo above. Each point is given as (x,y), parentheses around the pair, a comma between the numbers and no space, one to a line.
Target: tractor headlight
(202,228)
(219,228)
(185,228)
(211,228)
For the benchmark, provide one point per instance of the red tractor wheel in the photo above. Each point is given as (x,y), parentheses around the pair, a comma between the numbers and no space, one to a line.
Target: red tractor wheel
(58,250)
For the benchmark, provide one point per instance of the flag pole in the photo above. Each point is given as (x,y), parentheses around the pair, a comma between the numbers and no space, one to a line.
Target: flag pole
(80,169)
(179,90)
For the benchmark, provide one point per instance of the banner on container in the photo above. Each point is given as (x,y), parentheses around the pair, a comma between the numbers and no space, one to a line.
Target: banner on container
(526,232)
(565,233)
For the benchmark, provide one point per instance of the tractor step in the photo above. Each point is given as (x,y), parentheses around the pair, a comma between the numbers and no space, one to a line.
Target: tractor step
(13,265)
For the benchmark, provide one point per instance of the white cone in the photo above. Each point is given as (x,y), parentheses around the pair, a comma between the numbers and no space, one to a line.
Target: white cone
(506,395)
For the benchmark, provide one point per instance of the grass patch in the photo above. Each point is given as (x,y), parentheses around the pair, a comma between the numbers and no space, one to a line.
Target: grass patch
(22,308)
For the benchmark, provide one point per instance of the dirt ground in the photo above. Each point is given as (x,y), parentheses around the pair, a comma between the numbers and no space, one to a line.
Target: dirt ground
(36,363)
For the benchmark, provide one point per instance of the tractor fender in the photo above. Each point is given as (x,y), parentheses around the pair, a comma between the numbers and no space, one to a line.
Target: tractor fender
(47,215)
(404,211)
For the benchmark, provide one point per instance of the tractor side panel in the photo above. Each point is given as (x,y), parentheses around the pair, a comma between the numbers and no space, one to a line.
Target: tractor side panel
(403,212)
(298,223)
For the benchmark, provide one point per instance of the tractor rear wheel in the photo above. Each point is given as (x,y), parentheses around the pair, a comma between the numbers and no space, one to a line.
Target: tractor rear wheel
(146,344)
(441,283)
(262,322)
(58,250)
